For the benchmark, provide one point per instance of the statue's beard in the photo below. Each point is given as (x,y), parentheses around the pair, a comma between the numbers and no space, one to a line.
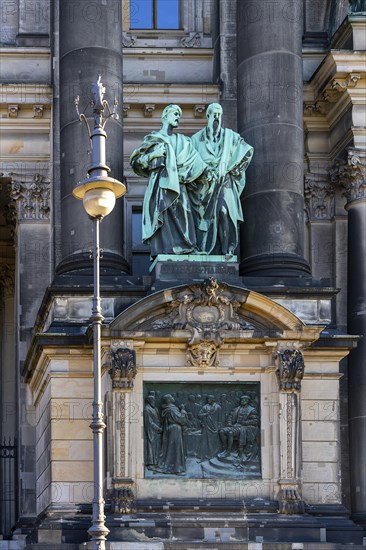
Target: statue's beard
(215,127)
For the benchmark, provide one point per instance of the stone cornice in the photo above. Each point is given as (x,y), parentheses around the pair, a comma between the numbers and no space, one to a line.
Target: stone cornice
(30,94)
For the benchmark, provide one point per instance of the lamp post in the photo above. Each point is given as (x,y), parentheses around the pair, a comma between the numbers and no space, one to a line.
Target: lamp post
(98,193)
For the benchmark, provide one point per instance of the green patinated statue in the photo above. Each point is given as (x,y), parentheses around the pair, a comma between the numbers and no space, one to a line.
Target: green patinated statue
(171,164)
(192,201)
(216,204)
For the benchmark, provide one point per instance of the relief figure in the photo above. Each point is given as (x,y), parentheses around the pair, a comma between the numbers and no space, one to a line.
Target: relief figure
(172,458)
(171,163)
(153,432)
(209,417)
(242,428)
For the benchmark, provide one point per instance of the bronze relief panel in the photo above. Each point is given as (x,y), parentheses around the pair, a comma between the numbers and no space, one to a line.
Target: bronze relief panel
(195,430)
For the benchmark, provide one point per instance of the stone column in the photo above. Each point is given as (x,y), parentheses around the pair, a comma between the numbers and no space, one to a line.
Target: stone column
(270,118)
(123,372)
(352,178)
(290,371)
(90,44)
(8,378)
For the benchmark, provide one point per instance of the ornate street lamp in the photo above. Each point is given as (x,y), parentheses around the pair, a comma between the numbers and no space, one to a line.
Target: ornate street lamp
(98,193)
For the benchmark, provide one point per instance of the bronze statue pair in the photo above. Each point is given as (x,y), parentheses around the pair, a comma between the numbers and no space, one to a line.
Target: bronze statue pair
(192,202)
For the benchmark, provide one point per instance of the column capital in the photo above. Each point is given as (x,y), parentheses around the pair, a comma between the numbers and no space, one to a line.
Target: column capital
(123,370)
(351,175)
(290,369)
(31,195)
(319,196)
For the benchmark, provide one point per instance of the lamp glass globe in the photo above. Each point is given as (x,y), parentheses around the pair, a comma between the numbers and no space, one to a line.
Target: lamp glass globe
(99,202)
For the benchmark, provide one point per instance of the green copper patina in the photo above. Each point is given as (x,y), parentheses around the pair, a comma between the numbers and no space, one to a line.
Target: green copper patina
(171,164)
(192,202)
(216,204)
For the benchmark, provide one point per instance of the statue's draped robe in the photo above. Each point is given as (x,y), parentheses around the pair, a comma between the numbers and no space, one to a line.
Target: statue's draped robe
(229,158)
(172,458)
(168,223)
(152,435)
(209,416)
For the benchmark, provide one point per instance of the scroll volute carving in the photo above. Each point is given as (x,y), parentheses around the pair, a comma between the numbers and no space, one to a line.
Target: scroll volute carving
(290,370)
(123,370)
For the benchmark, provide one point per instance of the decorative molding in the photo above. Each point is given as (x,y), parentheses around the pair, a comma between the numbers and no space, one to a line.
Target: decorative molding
(339,85)
(128,41)
(38,111)
(126,107)
(290,370)
(289,500)
(351,174)
(191,40)
(31,194)
(319,109)
(149,108)
(123,500)
(122,433)
(13,111)
(319,196)
(342,84)
(123,370)
(199,110)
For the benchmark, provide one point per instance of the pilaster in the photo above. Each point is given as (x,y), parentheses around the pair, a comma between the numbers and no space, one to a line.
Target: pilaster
(123,371)
(290,371)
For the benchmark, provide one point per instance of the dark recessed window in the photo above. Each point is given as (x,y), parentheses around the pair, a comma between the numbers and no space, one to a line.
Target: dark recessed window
(154,14)
(136,229)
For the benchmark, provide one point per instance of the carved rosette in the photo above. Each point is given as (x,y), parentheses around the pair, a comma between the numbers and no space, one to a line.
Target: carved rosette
(123,370)
(290,372)
(31,194)
(351,175)
(319,197)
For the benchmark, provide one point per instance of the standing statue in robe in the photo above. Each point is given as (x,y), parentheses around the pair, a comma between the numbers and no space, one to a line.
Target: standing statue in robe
(216,203)
(171,163)
(172,458)
(153,432)
(209,417)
